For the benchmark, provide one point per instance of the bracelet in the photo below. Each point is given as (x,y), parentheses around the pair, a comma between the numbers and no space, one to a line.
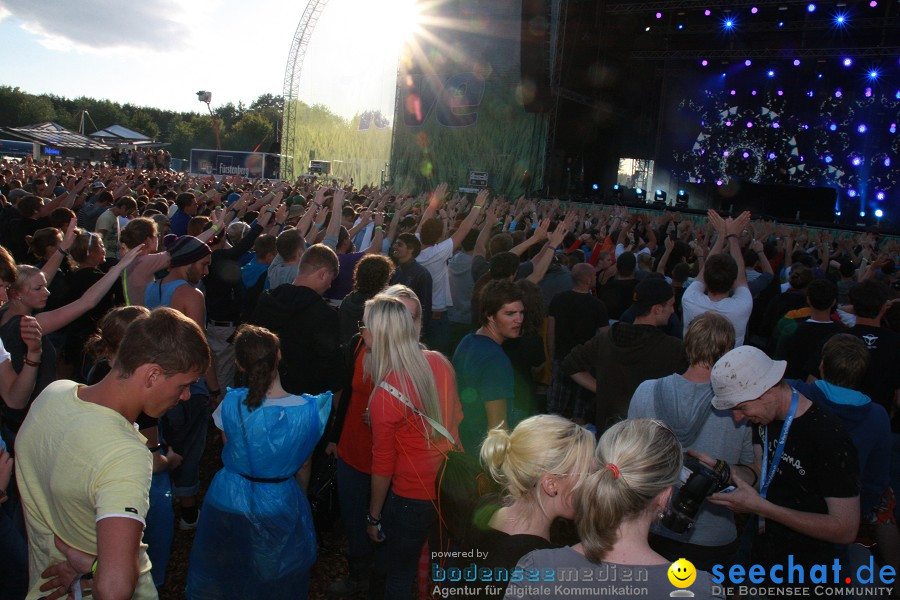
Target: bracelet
(476,206)
(90,574)
(270,210)
(155,448)
(372,520)
(61,251)
(279,224)
(377,227)
(32,363)
(215,228)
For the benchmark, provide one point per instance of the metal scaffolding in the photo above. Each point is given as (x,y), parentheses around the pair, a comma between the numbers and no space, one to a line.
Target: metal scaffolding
(302,36)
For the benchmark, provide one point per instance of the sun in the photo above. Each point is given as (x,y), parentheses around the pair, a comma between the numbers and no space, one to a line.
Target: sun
(398,20)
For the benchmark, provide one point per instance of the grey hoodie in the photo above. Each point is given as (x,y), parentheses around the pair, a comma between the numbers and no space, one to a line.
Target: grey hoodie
(686,408)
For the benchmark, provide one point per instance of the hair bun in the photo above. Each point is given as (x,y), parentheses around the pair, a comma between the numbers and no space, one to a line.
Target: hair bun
(495,448)
(169,240)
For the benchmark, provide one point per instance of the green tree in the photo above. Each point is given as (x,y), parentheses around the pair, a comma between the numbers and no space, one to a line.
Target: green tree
(251,130)
(18,108)
(143,122)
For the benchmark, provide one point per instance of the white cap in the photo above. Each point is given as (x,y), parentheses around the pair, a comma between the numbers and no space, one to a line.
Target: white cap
(745,373)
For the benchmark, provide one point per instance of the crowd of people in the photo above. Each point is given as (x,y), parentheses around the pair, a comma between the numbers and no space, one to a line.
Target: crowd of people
(593,360)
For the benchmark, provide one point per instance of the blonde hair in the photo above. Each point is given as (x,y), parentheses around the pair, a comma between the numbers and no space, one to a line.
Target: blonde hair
(538,446)
(638,459)
(708,338)
(398,290)
(395,348)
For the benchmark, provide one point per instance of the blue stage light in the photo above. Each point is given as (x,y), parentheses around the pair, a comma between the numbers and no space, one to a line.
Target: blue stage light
(595,186)
(856,161)
(748,62)
(851,193)
(828,159)
(848,62)
(862,128)
(771,73)
(811,7)
(862,213)
(729,24)
(681,192)
(616,186)
(879,213)
(796,62)
(840,19)
(879,195)
(833,127)
(873,74)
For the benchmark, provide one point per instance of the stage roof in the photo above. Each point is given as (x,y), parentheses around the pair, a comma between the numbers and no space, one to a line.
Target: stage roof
(54,134)
(118,133)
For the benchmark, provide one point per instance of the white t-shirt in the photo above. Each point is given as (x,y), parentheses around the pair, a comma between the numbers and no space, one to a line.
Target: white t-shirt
(736,308)
(434,258)
(4,355)
(620,250)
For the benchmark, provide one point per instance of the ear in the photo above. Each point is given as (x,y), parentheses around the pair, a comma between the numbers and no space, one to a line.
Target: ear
(148,375)
(550,485)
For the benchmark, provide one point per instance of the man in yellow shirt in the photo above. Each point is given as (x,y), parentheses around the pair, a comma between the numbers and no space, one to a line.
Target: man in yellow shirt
(84,471)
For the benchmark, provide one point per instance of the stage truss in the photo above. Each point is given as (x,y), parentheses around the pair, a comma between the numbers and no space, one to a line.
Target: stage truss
(291,90)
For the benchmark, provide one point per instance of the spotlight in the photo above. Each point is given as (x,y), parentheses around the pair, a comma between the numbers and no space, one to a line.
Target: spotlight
(754,10)
(729,24)
(856,161)
(681,200)
(868,92)
(887,162)
(828,159)
(840,20)
(837,213)
(726,154)
(748,62)
(659,197)
(796,62)
(680,26)
(862,128)
(862,213)
(771,73)
(879,213)
(659,15)
(771,156)
(851,194)
(838,93)
(727,123)
(781,92)
(616,186)
(704,62)
(595,187)
(719,182)
(745,154)
(873,4)
(848,62)
(873,74)
(781,23)
(753,93)
(749,124)
(707,12)
(811,7)
(879,195)
(776,125)
(833,127)
(640,194)
(733,92)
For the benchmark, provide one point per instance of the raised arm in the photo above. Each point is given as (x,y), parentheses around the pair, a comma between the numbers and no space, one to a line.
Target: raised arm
(464,227)
(51,267)
(54,320)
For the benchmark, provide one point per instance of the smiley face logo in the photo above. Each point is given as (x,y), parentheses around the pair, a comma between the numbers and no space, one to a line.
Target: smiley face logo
(682,573)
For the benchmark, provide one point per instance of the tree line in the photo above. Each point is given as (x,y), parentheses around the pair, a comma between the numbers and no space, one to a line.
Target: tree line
(240,127)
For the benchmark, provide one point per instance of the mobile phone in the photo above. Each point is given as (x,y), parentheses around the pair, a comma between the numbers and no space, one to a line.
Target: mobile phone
(727,490)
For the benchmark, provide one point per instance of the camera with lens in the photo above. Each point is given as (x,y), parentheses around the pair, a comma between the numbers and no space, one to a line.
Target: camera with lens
(698,482)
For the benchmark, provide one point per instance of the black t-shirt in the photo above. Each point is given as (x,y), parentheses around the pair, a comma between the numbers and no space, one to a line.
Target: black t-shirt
(617,295)
(802,349)
(577,317)
(819,461)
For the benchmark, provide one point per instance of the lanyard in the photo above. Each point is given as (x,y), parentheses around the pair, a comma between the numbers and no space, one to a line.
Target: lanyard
(769,473)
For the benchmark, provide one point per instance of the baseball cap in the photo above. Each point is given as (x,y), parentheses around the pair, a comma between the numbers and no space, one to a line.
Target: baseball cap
(652,291)
(97,185)
(743,374)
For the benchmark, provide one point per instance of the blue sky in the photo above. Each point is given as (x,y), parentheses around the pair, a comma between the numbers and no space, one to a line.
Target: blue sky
(160,53)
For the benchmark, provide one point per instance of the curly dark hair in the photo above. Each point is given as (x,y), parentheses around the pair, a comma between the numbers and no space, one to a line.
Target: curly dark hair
(104,343)
(372,274)
(256,354)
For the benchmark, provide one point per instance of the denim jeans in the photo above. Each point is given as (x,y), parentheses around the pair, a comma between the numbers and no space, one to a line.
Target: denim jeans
(184,427)
(407,524)
(353,497)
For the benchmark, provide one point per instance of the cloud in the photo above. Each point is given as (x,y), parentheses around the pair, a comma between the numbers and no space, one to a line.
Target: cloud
(100,25)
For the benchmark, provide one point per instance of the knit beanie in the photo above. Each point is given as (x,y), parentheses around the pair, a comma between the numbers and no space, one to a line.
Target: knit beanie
(185,249)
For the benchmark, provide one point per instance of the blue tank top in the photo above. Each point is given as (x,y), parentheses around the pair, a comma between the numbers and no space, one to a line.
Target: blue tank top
(160,294)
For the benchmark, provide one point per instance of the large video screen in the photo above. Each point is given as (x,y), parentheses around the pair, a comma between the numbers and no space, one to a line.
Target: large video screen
(461,101)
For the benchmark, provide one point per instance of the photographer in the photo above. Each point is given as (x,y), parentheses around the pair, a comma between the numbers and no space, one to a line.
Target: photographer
(683,403)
